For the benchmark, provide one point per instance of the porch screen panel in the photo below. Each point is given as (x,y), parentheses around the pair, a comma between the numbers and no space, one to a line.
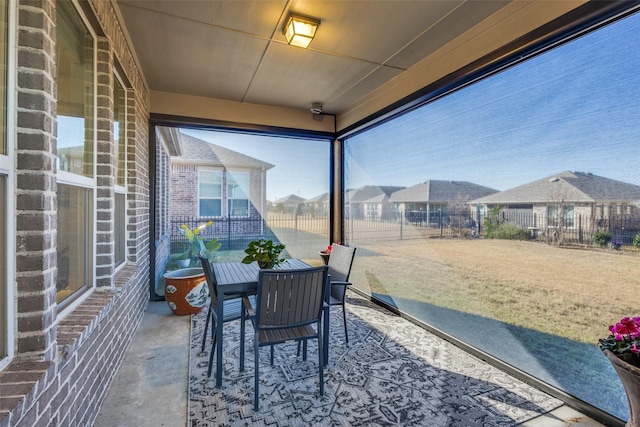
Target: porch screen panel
(478,210)
(250,186)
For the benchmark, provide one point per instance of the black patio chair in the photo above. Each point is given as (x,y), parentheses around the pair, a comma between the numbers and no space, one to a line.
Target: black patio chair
(232,311)
(340,263)
(288,304)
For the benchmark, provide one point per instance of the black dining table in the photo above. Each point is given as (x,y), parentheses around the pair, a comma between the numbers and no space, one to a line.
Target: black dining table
(236,277)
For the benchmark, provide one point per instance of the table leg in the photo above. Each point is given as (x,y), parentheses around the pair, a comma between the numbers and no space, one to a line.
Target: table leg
(219,324)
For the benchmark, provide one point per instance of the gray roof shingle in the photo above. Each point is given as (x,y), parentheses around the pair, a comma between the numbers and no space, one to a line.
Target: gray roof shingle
(437,191)
(369,192)
(569,186)
(195,150)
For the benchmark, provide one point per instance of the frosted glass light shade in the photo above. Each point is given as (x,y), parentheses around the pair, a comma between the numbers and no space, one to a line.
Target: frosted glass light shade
(300,30)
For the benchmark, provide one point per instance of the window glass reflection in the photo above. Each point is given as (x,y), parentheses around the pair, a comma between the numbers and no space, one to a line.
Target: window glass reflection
(74,81)
(3,266)
(75,240)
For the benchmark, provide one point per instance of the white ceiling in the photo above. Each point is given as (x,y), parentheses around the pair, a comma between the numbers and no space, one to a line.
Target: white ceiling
(235,50)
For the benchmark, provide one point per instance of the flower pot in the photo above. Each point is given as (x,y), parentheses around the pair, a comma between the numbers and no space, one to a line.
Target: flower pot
(325,257)
(183,263)
(266,265)
(185,290)
(630,378)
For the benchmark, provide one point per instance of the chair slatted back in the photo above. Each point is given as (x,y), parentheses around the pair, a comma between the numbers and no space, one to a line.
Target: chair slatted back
(288,298)
(340,262)
(211,280)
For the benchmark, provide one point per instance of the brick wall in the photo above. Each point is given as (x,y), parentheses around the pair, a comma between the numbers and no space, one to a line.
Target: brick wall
(184,190)
(63,366)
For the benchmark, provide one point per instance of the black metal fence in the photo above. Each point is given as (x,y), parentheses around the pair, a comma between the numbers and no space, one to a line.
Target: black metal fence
(235,233)
(438,224)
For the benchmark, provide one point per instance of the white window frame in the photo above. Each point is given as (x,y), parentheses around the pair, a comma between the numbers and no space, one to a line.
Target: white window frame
(222,189)
(121,189)
(7,169)
(248,193)
(76,180)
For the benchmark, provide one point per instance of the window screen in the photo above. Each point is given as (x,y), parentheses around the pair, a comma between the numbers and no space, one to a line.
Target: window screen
(479,211)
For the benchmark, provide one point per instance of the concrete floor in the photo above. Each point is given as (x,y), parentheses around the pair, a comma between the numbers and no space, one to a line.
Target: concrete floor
(150,388)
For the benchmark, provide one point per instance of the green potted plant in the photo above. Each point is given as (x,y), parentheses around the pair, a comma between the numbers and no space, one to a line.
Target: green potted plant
(186,290)
(622,348)
(264,252)
(196,244)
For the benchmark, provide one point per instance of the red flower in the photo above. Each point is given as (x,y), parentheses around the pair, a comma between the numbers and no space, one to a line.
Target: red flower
(626,328)
(328,250)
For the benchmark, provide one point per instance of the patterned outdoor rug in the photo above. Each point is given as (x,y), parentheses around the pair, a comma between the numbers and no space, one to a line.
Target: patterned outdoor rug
(393,373)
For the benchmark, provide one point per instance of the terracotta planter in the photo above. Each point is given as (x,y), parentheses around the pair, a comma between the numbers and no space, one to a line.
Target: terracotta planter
(630,378)
(325,257)
(185,290)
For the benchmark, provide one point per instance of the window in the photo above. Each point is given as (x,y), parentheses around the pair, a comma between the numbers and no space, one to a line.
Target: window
(3,268)
(120,228)
(210,192)
(7,242)
(238,194)
(120,130)
(4,5)
(75,240)
(555,137)
(553,213)
(76,140)
(120,143)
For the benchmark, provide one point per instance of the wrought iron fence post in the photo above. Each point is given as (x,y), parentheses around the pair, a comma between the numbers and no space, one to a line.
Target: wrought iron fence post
(580,236)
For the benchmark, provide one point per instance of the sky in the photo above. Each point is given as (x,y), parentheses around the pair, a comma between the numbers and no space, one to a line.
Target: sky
(573,108)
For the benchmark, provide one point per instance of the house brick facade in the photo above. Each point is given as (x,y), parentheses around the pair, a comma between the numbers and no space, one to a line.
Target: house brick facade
(61,363)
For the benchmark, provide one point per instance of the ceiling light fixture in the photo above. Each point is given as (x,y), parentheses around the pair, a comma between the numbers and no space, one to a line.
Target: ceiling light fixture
(299,30)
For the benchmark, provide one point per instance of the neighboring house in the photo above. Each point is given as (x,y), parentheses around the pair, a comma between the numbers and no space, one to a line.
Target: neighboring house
(570,199)
(288,204)
(370,202)
(209,182)
(318,206)
(433,200)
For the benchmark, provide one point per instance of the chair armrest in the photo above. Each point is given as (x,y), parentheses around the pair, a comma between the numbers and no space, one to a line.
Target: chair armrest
(247,304)
(341,283)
